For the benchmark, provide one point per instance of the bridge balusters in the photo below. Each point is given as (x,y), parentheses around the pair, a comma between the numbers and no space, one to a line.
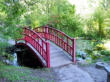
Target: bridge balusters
(53,36)
(42,48)
(49,34)
(38,43)
(67,43)
(62,39)
(31,38)
(70,49)
(35,29)
(46,33)
(25,35)
(43,32)
(57,37)
(65,46)
(34,42)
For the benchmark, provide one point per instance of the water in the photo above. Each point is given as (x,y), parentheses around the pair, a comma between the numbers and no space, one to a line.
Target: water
(15,63)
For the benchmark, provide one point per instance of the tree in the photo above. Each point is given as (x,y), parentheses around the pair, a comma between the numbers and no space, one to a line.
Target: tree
(99,21)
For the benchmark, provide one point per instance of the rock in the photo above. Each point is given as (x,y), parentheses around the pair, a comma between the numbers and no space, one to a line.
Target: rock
(11,49)
(88,60)
(11,42)
(101,65)
(82,62)
(7,62)
(79,59)
(82,54)
(107,69)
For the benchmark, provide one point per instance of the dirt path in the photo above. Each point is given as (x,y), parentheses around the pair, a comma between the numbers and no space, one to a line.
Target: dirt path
(76,73)
(71,73)
(99,75)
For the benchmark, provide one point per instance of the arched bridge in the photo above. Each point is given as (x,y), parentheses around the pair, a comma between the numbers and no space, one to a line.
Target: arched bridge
(53,47)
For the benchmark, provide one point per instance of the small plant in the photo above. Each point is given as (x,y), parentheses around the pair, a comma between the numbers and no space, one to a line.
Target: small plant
(105,52)
(95,55)
(99,47)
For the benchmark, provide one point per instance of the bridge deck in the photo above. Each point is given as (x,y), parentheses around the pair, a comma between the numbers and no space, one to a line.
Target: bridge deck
(58,57)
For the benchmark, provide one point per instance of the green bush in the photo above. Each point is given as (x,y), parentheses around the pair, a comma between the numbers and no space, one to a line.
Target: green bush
(3,46)
(105,52)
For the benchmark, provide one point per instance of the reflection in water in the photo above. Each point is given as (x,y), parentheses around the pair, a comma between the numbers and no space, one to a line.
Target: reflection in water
(15,63)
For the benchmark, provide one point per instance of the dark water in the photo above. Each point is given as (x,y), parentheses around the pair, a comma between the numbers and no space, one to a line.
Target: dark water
(26,57)
(23,56)
(25,60)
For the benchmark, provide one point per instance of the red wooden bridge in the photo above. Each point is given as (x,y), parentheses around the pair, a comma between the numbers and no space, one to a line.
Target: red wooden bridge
(52,47)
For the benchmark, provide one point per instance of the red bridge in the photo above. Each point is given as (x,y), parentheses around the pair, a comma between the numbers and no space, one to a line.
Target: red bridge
(52,47)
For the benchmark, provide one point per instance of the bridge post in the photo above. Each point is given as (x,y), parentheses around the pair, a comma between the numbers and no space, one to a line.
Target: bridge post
(48,54)
(25,35)
(46,36)
(74,50)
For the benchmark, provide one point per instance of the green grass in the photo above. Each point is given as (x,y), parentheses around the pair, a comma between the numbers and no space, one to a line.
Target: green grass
(13,74)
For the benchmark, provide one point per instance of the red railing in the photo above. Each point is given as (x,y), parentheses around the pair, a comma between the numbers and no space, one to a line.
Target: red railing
(38,43)
(60,38)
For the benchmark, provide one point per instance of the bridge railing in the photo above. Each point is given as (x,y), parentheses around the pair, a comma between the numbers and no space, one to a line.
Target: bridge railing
(59,38)
(38,43)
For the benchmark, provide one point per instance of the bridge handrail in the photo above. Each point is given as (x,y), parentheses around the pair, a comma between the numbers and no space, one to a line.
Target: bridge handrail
(42,48)
(35,29)
(49,34)
(61,32)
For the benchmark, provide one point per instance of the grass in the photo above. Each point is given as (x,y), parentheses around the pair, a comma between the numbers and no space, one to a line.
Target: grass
(13,74)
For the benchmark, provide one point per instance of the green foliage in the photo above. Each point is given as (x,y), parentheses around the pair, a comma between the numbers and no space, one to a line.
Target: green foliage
(14,14)
(3,46)
(98,24)
(105,55)
(68,21)
(10,13)
(60,14)
(105,52)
